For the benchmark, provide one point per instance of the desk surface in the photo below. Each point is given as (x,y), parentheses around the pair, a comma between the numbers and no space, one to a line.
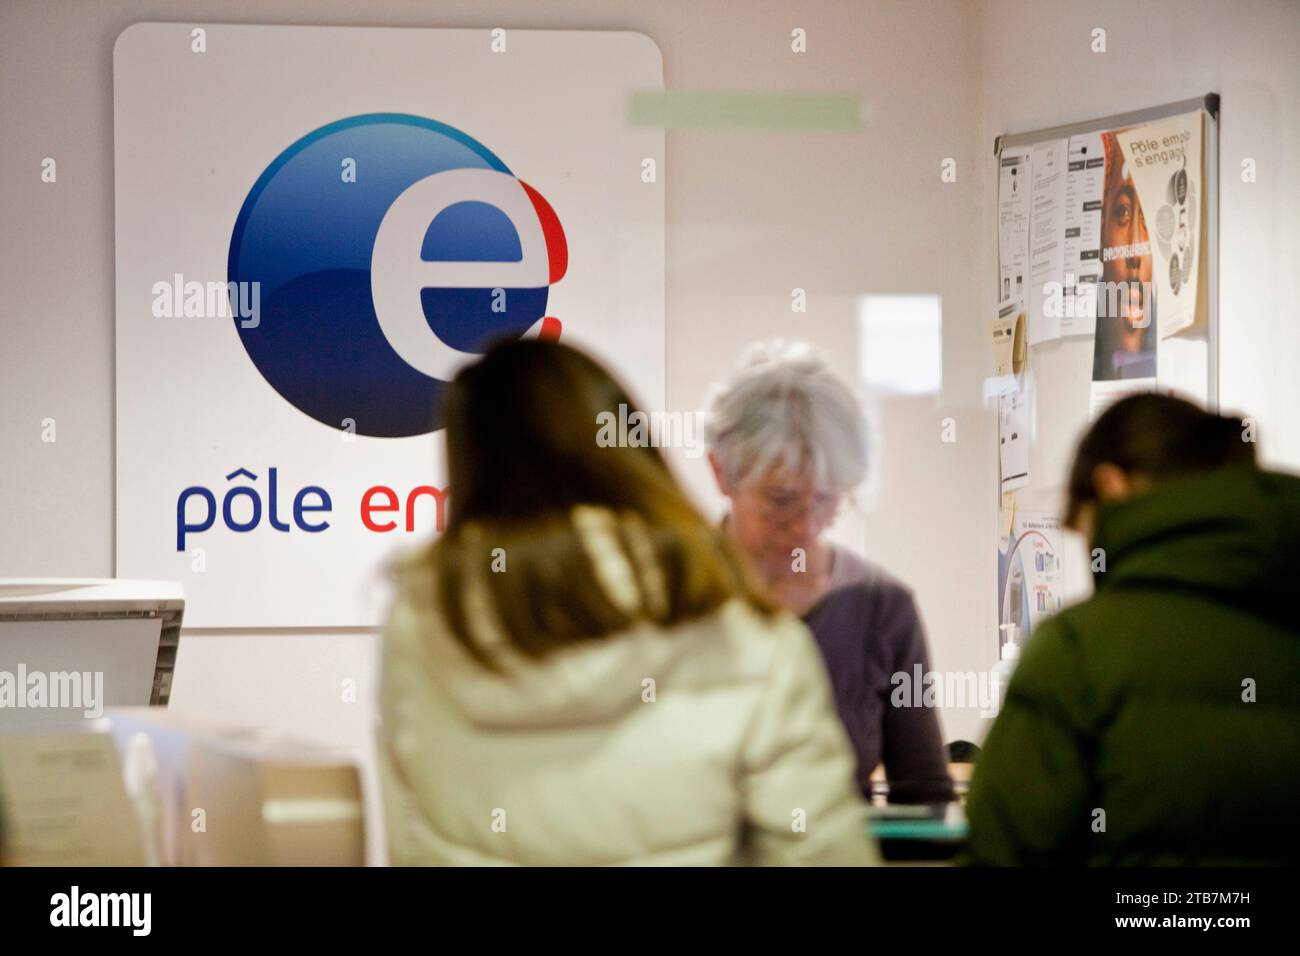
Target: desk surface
(921,834)
(941,831)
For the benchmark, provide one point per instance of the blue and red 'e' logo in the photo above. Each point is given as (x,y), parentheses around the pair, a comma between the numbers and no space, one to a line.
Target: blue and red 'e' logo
(374,292)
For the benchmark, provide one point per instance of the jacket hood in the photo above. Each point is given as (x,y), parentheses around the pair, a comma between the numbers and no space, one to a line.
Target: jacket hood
(1232,534)
(589,683)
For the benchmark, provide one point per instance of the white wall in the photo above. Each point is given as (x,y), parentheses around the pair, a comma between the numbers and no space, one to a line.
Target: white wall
(751,215)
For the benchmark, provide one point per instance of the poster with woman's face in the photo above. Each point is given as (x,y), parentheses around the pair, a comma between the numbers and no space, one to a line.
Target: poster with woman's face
(1164,160)
(1125,345)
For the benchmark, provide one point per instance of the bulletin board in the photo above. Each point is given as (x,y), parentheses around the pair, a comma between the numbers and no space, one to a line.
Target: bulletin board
(1107,284)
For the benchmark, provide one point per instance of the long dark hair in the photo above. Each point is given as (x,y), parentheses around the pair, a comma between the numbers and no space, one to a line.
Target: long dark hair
(535,496)
(1158,437)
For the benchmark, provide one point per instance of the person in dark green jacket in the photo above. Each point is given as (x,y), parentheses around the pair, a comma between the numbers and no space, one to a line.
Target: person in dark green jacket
(1158,722)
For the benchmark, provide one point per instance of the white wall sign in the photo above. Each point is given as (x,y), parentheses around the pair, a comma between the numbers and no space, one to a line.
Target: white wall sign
(315,227)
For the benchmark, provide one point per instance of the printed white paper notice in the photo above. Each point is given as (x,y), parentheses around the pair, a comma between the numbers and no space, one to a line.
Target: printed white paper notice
(1046,239)
(1013,438)
(1084,181)
(66,804)
(1013,225)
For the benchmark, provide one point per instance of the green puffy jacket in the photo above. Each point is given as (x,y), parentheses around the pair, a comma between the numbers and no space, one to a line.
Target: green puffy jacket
(1158,722)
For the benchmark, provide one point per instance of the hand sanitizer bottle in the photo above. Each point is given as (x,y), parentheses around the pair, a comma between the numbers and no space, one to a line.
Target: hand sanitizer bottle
(1008,657)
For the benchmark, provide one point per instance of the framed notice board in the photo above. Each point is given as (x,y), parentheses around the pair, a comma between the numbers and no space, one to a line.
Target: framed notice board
(1107,284)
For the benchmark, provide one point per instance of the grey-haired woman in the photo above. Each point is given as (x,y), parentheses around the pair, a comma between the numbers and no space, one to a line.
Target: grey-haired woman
(787,442)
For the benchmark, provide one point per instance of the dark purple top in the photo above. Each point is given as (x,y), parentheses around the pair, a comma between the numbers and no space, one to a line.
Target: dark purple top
(868,629)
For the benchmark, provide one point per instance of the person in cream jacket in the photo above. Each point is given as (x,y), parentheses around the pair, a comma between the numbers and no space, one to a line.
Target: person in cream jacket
(580,671)
(719,744)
